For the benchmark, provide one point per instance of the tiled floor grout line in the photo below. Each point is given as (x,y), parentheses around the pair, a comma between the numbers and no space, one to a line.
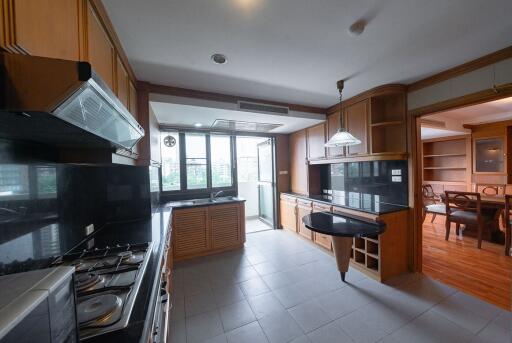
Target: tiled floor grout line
(305,272)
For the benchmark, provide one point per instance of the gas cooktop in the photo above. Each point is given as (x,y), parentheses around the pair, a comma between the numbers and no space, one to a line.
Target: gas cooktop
(106,283)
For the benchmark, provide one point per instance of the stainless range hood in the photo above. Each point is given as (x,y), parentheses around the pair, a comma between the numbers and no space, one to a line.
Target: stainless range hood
(61,103)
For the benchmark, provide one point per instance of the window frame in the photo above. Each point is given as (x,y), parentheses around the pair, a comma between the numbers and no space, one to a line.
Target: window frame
(185,193)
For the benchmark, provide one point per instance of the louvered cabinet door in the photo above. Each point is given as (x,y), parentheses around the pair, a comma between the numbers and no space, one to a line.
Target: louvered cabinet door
(226,226)
(191,232)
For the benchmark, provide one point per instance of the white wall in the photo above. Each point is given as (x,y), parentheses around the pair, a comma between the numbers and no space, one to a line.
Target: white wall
(249,191)
(497,74)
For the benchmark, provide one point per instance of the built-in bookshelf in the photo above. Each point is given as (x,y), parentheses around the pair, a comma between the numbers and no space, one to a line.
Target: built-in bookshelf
(388,123)
(447,163)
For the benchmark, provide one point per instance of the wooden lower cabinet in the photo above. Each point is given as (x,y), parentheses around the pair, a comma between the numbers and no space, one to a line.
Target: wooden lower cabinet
(380,257)
(384,256)
(288,213)
(191,231)
(227,226)
(303,208)
(200,231)
(324,241)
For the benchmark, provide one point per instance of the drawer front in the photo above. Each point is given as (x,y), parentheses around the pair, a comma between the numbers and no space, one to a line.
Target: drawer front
(304,203)
(323,240)
(319,207)
(288,198)
(305,232)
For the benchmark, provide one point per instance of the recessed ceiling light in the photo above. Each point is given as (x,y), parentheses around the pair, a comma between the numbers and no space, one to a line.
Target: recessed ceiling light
(219,58)
(198,124)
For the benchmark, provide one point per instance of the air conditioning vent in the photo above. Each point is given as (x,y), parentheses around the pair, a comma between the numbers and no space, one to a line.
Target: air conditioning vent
(235,125)
(262,108)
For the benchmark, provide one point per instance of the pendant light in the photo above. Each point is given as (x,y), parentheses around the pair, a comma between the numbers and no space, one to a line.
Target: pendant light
(342,137)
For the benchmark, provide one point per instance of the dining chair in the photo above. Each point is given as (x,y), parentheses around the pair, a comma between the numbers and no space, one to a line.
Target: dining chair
(508,224)
(431,203)
(492,189)
(465,208)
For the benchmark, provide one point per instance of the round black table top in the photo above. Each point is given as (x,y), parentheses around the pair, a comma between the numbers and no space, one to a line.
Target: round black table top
(337,225)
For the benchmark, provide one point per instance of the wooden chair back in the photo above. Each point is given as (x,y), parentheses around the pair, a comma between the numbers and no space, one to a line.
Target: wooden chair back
(429,197)
(508,226)
(463,201)
(490,188)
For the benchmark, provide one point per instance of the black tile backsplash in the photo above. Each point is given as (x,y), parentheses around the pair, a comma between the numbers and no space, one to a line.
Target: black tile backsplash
(381,181)
(44,207)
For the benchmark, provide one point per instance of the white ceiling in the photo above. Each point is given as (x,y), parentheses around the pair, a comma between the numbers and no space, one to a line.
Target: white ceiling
(296,50)
(488,112)
(186,115)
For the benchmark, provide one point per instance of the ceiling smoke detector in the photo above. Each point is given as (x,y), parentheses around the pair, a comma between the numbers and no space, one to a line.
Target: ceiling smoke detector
(219,59)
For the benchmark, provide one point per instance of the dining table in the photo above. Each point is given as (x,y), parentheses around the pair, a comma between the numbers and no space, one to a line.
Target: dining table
(494,205)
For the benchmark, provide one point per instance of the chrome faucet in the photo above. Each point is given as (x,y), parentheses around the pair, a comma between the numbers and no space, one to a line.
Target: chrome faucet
(213,195)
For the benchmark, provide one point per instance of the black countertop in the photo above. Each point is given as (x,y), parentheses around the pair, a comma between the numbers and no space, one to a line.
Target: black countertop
(154,230)
(343,226)
(204,202)
(367,203)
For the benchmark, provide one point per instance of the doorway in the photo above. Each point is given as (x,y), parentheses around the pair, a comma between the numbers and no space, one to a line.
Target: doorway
(256,181)
(466,150)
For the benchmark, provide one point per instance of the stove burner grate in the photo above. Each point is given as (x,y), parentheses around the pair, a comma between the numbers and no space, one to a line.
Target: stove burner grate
(98,309)
(87,280)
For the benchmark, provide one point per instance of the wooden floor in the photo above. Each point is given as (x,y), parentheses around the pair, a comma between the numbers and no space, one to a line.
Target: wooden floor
(485,273)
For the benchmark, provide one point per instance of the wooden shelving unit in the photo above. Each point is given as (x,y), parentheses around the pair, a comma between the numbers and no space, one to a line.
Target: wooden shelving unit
(447,163)
(387,124)
(365,254)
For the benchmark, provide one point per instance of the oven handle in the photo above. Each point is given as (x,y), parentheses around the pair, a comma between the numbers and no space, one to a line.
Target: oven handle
(165,318)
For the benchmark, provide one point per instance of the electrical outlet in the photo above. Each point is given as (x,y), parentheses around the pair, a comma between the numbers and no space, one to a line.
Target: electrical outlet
(89,229)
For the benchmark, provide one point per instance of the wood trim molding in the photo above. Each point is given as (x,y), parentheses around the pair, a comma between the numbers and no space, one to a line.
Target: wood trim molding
(465,100)
(376,91)
(443,139)
(374,157)
(196,94)
(481,62)
(111,32)
(486,126)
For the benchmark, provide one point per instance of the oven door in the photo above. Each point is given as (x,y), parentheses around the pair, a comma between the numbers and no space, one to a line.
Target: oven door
(161,314)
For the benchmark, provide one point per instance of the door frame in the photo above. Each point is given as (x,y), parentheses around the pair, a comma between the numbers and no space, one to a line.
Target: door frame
(275,196)
(272,182)
(415,162)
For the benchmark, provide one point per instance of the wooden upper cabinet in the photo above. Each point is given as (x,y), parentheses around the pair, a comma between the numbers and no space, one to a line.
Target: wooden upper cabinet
(298,162)
(316,141)
(357,124)
(122,81)
(132,99)
(333,125)
(47,28)
(100,51)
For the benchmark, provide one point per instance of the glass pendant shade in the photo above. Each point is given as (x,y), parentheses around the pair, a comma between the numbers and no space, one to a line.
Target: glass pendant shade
(342,138)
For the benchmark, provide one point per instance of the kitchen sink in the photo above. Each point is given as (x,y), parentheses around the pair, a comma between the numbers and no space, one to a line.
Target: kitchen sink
(208,201)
